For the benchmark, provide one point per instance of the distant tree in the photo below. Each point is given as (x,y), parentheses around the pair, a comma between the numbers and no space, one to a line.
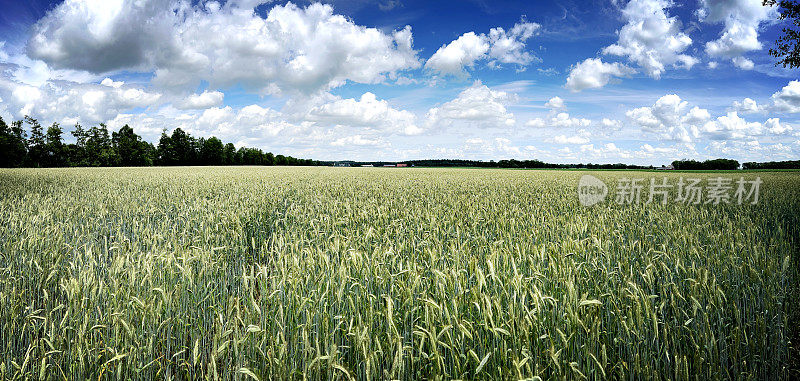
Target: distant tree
(55,151)
(96,147)
(99,150)
(13,147)
(183,145)
(36,143)
(151,153)
(251,156)
(790,164)
(787,47)
(212,152)
(724,164)
(229,155)
(77,151)
(130,149)
(716,164)
(164,152)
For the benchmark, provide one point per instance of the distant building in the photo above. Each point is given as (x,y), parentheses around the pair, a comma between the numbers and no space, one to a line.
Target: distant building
(367,165)
(389,165)
(345,163)
(665,168)
(402,165)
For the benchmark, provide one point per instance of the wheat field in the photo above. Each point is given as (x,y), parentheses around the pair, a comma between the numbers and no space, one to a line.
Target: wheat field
(372,273)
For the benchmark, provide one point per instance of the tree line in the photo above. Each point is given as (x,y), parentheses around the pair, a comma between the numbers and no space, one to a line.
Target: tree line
(715,164)
(97,147)
(506,163)
(789,164)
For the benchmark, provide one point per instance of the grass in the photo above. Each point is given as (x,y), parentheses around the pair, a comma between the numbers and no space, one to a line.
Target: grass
(335,273)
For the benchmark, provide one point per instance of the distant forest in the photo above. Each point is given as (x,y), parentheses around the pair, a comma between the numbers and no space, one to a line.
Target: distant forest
(792,164)
(727,164)
(97,147)
(533,164)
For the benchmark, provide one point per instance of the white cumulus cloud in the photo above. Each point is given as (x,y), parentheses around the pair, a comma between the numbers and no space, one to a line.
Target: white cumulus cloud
(293,49)
(69,102)
(741,19)
(788,99)
(651,38)
(477,104)
(593,73)
(368,111)
(201,101)
(747,106)
(669,119)
(555,103)
(498,47)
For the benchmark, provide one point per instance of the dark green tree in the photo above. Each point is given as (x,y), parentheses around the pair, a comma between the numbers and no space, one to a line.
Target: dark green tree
(55,150)
(99,150)
(229,155)
(184,147)
(212,152)
(131,150)
(787,46)
(13,147)
(77,151)
(164,152)
(36,143)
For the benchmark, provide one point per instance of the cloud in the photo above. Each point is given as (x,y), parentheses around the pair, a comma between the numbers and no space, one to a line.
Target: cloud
(102,35)
(731,126)
(478,105)
(560,120)
(548,72)
(747,106)
(734,127)
(388,5)
(741,19)
(293,49)
(201,101)
(788,99)
(775,127)
(593,73)
(252,125)
(454,57)
(23,69)
(368,112)
(669,119)
(356,140)
(69,102)
(508,47)
(582,137)
(604,151)
(610,124)
(651,38)
(743,63)
(555,103)
(111,83)
(498,47)
(751,150)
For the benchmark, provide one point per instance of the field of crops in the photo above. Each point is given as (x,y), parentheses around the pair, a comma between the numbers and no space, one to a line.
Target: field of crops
(365,273)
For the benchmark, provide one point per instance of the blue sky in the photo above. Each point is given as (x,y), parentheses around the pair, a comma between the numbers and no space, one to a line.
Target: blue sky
(641,81)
